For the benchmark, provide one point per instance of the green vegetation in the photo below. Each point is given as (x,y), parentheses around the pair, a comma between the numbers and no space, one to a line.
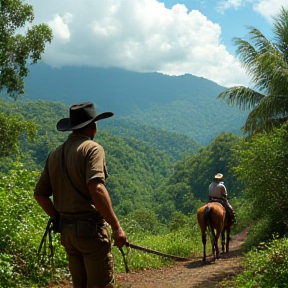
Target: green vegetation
(155,209)
(12,126)
(262,158)
(158,213)
(156,191)
(265,267)
(263,168)
(185,105)
(181,240)
(267,63)
(172,143)
(22,224)
(17,48)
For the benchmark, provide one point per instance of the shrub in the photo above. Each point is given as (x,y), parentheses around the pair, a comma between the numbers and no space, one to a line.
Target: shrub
(266,267)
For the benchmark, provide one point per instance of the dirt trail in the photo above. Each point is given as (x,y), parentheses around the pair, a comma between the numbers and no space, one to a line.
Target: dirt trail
(186,274)
(191,273)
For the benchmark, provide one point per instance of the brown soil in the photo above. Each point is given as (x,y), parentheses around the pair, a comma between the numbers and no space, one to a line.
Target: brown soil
(186,274)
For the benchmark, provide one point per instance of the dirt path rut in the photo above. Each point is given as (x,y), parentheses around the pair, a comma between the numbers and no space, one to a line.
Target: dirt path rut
(191,273)
(188,274)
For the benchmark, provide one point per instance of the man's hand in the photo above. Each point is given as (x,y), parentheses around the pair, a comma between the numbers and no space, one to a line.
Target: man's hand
(119,237)
(56,224)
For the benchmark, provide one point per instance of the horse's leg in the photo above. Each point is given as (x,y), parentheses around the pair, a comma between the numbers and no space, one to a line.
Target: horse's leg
(218,232)
(227,239)
(223,239)
(216,247)
(204,245)
(213,246)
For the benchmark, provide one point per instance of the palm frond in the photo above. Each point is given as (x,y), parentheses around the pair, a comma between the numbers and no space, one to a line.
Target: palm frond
(277,75)
(267,115)
(266,63)
(254,126)
(241,97)
(254,55)
(281,32)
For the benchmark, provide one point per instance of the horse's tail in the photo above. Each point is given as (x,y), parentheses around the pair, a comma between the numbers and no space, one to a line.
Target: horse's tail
(208,220)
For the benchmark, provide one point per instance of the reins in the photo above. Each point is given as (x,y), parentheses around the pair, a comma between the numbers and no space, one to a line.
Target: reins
(48,231)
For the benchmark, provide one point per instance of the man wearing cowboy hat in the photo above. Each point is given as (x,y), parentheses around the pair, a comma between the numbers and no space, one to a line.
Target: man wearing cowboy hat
(218,191)
(74,175)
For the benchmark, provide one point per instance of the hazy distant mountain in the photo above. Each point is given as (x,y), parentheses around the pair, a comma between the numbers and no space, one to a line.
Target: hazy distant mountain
(185,104)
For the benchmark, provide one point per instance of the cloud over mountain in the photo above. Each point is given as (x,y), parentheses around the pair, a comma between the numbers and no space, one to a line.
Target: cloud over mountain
(138,35)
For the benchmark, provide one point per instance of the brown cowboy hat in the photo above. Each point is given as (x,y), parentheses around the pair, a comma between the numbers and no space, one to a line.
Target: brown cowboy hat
(81,115)
(219,176)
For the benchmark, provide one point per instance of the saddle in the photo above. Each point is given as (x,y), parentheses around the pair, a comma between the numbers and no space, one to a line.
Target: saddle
(219,201)
(230,214)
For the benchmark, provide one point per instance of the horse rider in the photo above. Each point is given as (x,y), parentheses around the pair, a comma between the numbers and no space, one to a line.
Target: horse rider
(218,193)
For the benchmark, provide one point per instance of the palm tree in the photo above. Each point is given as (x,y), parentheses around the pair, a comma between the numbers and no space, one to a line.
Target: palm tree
(266,63)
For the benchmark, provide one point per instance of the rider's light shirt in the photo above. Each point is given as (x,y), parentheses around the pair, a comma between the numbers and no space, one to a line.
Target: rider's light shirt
(217,190)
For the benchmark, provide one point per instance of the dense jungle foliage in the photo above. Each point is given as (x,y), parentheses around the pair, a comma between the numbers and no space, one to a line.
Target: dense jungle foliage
(152,212)
(262,158)
(155,190)
(165,204)
(145,186)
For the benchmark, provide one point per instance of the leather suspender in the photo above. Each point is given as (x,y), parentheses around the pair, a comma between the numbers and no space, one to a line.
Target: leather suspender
(68,177)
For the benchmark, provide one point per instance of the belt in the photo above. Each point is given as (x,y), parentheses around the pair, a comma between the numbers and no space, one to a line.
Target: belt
(75,221)
(93,216)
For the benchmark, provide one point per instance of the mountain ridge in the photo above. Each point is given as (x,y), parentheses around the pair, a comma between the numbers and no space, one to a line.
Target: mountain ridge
(184,104)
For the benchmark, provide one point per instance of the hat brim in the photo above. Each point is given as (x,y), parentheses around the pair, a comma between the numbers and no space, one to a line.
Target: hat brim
(65,125)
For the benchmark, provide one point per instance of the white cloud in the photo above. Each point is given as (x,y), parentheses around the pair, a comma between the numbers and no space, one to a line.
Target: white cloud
(138,35)
(60,26)
(222,6)
(270,8)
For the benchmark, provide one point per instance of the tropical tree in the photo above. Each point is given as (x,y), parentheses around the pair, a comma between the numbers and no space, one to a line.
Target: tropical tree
(19,44)
(266,62)
(12,127)
(262,167)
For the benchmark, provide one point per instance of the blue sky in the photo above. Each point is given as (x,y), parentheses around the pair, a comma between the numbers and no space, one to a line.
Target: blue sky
(234,18)
(171,37)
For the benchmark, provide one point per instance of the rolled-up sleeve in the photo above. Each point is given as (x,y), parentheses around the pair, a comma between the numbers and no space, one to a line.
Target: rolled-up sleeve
(96,165)
(43,186)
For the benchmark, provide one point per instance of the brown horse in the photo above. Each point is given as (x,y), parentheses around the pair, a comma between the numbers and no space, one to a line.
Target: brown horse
(213,217)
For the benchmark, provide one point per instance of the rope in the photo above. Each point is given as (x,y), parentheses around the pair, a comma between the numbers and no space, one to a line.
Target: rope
(125,260)
(48,231)
(174,257)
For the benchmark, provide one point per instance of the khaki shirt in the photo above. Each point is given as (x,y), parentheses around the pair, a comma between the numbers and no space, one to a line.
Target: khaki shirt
(84,160)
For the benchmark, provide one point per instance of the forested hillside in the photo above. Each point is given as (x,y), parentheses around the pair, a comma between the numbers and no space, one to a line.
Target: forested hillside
(172,143)
(152,192)
(129,160)
(184,104)
(45,114)
(145,171)
(139,165)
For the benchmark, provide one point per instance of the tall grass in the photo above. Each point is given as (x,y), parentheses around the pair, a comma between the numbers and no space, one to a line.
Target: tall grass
(184,242)
(23,223)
